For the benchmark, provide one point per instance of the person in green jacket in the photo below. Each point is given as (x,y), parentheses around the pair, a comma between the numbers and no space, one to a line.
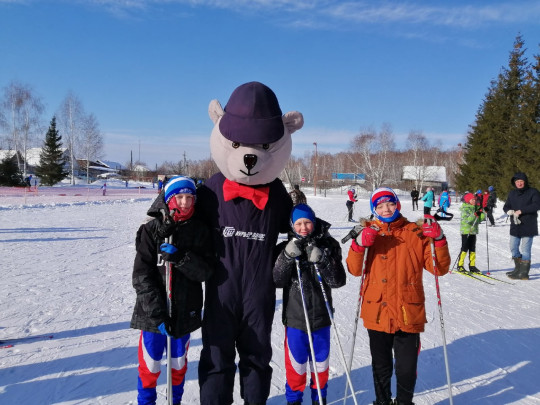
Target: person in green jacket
(471,216)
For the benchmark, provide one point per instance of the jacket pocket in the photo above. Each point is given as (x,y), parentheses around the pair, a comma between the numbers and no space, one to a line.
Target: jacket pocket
(413,308)
(372,305)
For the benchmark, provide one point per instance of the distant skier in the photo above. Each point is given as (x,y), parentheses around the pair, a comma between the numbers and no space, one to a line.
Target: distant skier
(414,197)
(491,205)
(351,195)
(444,202)
(471,216)
(104,188)
(429,200)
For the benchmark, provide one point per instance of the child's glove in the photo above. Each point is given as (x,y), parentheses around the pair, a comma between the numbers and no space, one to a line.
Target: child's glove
(294,248)
(170,253)
(366,237)
(163,329)
(431,228)
(166,228)
(314,254)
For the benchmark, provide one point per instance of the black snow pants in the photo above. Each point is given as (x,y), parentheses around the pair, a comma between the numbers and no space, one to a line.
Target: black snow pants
(406,347)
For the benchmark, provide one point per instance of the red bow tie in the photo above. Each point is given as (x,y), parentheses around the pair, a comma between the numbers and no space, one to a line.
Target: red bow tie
(259,196)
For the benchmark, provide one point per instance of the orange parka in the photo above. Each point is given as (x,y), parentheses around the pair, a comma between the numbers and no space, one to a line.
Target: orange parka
(393,293)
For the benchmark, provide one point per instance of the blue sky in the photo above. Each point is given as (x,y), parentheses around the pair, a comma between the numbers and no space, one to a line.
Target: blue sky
(148,68)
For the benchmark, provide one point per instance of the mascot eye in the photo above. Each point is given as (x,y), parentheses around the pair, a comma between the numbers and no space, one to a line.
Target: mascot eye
(266,146)
(236,145)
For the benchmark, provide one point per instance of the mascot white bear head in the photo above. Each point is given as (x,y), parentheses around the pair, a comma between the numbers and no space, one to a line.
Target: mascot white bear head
(251,140)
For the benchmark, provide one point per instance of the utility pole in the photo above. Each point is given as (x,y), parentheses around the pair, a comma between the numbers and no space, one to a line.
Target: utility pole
(315,175)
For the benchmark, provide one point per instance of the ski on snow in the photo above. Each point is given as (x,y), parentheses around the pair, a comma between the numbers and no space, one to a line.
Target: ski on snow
(6,344)
(494,278)
(477,276)
(470,275)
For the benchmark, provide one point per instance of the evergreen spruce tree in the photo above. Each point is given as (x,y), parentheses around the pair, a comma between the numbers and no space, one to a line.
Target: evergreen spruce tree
(497,142)
(51,162)
(529,143)
(10,175)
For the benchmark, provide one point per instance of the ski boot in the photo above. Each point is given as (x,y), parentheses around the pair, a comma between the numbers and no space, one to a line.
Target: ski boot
(474,269)
(461,269)
(316,402)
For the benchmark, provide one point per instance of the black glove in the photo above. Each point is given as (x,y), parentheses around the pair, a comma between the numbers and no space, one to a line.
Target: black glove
(170,253)
(166,228)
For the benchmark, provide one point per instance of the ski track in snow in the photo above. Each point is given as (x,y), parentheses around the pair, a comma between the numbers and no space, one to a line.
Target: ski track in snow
(67,264)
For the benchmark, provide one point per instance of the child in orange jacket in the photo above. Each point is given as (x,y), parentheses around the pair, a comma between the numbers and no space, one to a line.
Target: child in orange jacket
(393,306)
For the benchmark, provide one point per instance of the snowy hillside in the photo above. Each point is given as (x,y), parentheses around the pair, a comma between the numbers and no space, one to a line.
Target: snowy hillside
(66,273)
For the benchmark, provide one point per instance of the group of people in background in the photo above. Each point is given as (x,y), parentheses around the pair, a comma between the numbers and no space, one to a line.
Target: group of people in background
(521,206)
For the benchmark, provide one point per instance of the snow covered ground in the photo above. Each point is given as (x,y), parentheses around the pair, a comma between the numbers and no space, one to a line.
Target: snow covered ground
(66,265)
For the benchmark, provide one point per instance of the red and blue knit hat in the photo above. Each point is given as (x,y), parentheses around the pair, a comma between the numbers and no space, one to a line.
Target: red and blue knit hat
(385,194)
(179,185)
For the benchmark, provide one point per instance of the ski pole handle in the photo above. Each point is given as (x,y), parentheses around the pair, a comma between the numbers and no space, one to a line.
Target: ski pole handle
(353,233)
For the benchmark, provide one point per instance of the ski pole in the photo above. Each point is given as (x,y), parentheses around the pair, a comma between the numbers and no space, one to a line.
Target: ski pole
(455,262)
(168,275)
(308,327)
(487,249)
(331,315)
(358,307)
(436,273)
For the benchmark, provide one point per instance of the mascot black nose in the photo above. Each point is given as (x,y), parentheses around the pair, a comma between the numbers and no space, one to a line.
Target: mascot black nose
(250,161)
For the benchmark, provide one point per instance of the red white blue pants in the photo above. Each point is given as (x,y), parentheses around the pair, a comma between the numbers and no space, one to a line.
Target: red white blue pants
(151,348)
(297,355)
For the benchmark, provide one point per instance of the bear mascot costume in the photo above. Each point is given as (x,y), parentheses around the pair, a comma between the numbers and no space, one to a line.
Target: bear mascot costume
(246,206)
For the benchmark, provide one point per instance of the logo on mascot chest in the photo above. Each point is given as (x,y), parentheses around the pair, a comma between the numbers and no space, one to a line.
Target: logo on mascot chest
(229,232)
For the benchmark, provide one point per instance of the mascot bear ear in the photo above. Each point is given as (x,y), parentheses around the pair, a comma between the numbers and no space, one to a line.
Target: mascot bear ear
(215,111)
(293,121)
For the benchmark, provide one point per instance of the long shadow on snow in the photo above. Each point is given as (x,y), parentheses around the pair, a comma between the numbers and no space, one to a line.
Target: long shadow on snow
(510,357)
(82,385)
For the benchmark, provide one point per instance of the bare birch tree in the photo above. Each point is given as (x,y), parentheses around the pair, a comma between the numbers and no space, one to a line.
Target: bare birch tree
(373,149)
(71,119)
(418,146)
(21,117)
(91,142)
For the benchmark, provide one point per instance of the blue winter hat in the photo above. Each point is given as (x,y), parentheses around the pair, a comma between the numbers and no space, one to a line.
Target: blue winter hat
(179,185)
(302,211)
(491,188)
(478,191)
